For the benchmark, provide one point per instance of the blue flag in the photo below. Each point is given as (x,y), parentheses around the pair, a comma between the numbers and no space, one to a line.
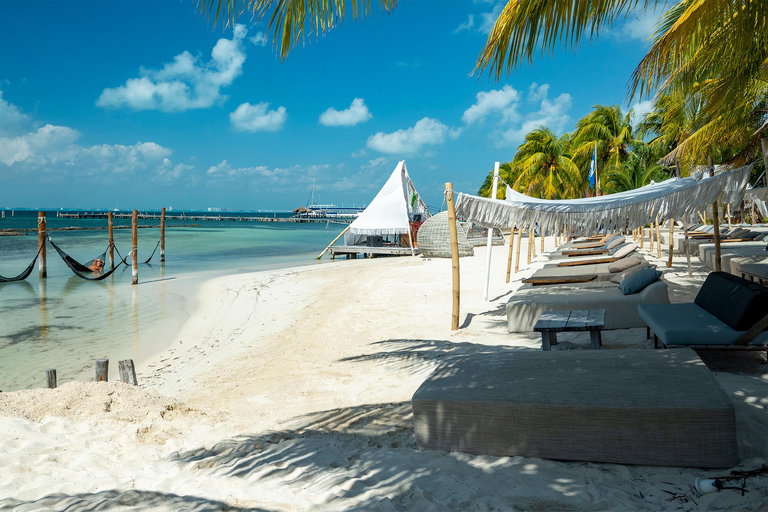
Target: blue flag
(593,168)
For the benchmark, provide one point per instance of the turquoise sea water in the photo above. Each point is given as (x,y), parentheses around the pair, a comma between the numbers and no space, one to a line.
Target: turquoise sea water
(66,323)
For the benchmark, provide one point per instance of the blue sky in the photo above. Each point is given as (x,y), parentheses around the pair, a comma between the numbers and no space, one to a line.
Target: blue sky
(142,104)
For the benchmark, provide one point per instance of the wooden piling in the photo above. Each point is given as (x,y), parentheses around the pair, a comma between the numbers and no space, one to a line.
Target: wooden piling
(102,370)
(127,372)
(511,249)
(671,241)
(454,256)
(162,236)
(111,227)
(135,247)
(41,234)
(716,232)
(50,378)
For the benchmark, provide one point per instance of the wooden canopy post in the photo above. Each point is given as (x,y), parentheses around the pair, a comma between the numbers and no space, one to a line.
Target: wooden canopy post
(530,245)
(135,246)
(650,237)
(511,249)
(716,232)
(687,249)
(111,230)
(410,242)
(533,241)
(658,239)
(454,256)
(42,232)
(162,235)
(517,254)
(334,241)
(489,250)
(542,240)
(671,241)
(728,215)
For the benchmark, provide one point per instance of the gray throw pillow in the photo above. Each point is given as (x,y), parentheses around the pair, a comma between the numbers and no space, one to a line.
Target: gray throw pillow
(752,235)
(625,250)
(738,233)
(624,264)
(615,242)
(637,281)
(613,250)
(618,278)
(759,237)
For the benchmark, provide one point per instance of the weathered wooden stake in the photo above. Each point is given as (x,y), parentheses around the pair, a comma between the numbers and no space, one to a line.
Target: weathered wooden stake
(454,255)
(511,250)
(41,234)
(650,243)
(642,235)
(716,232)
(135,246)
(517,254)
(658,239)
(533,242)
(542,240)
(102,370)
(127,371)
(671,241)
(162,235)
(530,245)
(111,227)
(50,378)
(728,214)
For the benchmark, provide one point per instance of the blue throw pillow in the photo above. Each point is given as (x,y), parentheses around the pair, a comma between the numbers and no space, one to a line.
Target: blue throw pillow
(637,281)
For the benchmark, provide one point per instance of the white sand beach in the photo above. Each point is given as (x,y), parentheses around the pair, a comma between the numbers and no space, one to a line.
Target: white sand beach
(290,390)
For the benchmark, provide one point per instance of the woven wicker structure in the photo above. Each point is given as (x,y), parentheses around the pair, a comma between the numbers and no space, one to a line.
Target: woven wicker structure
(434,238)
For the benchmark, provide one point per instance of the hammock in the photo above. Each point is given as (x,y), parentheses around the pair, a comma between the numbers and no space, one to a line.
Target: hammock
(25,273)
(77,267)
(124,259)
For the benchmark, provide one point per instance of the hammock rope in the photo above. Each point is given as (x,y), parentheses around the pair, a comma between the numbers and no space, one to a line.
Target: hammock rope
(25,274)
(77,268)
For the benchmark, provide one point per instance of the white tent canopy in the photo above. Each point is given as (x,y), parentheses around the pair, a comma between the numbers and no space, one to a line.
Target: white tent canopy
(391,211)
(669,199)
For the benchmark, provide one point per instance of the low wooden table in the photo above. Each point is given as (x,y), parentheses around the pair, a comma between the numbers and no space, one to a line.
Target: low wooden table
(552,322)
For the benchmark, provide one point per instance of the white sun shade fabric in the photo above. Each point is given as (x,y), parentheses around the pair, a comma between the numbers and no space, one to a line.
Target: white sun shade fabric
(391,210)
(668,199)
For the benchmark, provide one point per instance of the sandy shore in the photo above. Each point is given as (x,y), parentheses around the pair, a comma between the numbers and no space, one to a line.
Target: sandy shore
(290,390)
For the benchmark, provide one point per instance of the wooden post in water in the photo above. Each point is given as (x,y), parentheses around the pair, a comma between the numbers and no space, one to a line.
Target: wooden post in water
(511,249)
(111,227)
(127,372)
(50,378)
(671,241)
(162,235)
(41,234)
(517,254)
(658,239)
(454,256)
(102,370)
(135,246)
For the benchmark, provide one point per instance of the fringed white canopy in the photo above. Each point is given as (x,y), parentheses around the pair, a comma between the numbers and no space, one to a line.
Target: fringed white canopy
(669,199)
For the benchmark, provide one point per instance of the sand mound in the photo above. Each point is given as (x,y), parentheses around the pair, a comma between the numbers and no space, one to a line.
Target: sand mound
(112,400)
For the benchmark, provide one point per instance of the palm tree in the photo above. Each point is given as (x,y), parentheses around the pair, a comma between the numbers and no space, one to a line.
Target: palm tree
(636,172)
(546,168)
(507,174)
(608,129)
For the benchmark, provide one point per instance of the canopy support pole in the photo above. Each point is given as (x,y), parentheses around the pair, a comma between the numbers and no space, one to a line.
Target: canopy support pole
(519,242)
(658,239)
(716,231)
(642,235)
(334,241)
(454,256)
(671,241)
(687,248)
(410,241)
(511,250)
(728,214)
(650,244)
(489,245)
(542,239)
(530,243)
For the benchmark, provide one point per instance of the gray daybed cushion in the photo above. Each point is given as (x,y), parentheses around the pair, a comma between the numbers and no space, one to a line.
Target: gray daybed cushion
(616,241)
(648,407)
(528,303)
(618,278)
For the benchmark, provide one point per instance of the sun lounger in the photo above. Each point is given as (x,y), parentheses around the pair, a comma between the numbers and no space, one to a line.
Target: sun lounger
(728,312)
(646,407)
(528,303)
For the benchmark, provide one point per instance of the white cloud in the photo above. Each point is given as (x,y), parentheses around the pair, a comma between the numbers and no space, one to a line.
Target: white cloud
(426,132)
(552,114)
(359,154)
(375,163)
(497,102)
(537,92)
(260,39)
(356,113)
(11,118)
(169,173)
(488,19)
(467,25)
(256,118)
(183,84)
(641,108)
(639,26)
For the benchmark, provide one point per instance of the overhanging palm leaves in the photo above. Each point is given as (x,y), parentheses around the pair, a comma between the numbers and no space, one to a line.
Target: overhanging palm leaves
(288,18)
